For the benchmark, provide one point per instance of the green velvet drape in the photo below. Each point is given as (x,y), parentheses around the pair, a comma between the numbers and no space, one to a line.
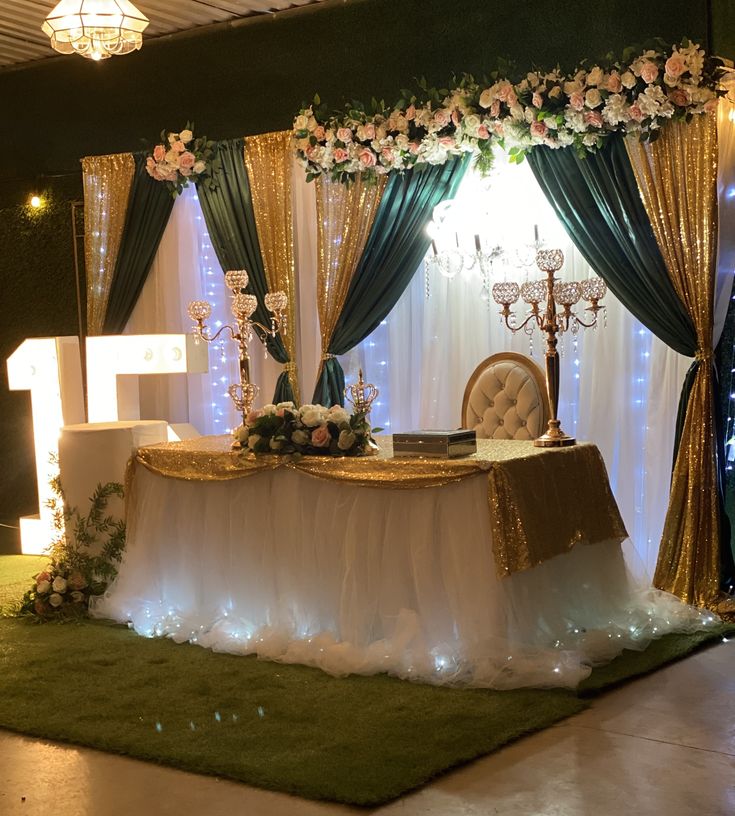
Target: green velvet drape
(394,249)
(228,213)
(597,200)
(149,208)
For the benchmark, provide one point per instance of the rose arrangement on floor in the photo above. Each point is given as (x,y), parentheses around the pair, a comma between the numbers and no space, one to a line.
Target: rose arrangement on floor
(312,430)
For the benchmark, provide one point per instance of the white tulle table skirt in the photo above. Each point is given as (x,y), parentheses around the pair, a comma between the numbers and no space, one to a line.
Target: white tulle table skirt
(365,580)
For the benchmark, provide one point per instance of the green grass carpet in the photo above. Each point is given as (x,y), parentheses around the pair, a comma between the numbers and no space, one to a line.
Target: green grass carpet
(16,572)
(358,740)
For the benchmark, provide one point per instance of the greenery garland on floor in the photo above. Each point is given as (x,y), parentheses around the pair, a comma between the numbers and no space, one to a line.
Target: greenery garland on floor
(638,93)
(83,557)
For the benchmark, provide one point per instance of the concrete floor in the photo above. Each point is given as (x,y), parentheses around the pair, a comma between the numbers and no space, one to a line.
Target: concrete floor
(660,746)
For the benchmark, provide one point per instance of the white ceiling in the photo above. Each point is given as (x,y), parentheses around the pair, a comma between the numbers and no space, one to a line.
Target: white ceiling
(21,38)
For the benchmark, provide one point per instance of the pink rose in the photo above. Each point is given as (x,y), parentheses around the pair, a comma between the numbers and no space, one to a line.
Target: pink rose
(280,412)
(320,437)
(252,417)
(495,109)
(482,132)
(411,112)
(538,129)
(537,100)
(711,105)
(614,85)
(413,148)
(442,118)
(150,164)
(159,152)
(455,118)
(157,175)
(178,146)
(649,72)
(187,160)
(593,118)
(39,607)
(576,100)
(76,580)
(310,151)
(344,135)
(505,92)
(319,133)
(636,114)
(387,154)
(679,97)
(675,66)
(367,158)
(43,576)
(369,130)
(340,154)
(446,141)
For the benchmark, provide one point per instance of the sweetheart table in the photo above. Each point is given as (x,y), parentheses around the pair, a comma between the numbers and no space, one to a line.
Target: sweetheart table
(502,569)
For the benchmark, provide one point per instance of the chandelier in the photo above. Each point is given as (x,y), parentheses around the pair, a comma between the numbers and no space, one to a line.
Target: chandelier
(96,29)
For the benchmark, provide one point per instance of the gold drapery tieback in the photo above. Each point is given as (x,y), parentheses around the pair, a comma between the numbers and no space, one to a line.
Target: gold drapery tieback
(107,182)
(328,356)
(268,161)
(677,180)
(345,215)
(571,481)
(704,356)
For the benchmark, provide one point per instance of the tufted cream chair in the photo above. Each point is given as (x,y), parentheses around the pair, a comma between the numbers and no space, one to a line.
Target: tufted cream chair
(506,398)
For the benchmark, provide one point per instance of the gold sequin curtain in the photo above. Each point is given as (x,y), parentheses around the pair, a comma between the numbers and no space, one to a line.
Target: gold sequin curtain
(268,159)
(345,214)
(107,182)
(677,178)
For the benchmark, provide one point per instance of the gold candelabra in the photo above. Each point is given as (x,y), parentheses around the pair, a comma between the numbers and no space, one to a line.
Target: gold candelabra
(361,395)
(551,321)
(244,393)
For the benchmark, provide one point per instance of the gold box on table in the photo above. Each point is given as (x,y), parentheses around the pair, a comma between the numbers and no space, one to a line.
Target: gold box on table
(436,444)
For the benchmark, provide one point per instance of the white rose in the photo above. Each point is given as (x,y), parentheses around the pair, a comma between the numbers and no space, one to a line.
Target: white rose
(300,437)
(301,122)
(275,444)
(55,599)
(77,596)
(486,98)
(253,440)
(186,136)
(42,587)
(628,79)
(313,417)
(241,434)
(59,584)
(595,76)
(592,98)
(346,440)
(199,167)
(269,409)
(471,123)
(287,406)
(173,137)
(338,414)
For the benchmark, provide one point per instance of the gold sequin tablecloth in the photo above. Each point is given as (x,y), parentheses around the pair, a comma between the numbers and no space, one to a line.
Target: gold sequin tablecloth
(542,501)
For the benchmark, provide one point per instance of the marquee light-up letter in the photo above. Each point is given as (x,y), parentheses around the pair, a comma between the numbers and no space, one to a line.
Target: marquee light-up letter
(50,369)
(109,400)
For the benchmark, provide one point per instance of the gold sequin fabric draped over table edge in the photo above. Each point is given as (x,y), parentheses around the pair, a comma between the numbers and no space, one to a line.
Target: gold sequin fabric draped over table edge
(541,501)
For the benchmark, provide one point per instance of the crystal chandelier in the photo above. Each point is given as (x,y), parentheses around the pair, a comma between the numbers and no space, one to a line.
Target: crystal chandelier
(96,29)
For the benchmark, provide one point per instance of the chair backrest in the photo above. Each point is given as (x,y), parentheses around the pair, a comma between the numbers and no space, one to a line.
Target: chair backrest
(506,398)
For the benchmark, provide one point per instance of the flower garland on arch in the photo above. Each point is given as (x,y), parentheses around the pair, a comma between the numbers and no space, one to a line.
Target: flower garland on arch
(638,94)
(180,158)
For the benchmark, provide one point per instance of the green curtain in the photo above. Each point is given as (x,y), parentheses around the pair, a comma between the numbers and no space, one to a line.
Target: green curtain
(394,249)
(597,200)
(149,208)
(228,213)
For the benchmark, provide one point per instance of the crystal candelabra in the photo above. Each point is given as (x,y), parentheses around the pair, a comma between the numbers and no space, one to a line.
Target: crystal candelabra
(244,393)
(361,395)
(551,321)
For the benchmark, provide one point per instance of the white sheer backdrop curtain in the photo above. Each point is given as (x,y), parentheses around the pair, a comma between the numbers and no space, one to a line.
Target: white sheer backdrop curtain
(619,384)
(186,268)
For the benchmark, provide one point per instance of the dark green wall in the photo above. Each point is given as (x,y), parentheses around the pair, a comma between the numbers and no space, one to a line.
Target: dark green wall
(248,78)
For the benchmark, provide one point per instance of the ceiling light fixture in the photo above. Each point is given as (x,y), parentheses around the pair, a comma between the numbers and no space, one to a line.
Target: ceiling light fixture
(96,29)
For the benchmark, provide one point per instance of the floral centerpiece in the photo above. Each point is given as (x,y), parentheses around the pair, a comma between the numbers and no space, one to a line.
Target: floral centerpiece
(83,557)
(309,430)
(181,158)
(637,94)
